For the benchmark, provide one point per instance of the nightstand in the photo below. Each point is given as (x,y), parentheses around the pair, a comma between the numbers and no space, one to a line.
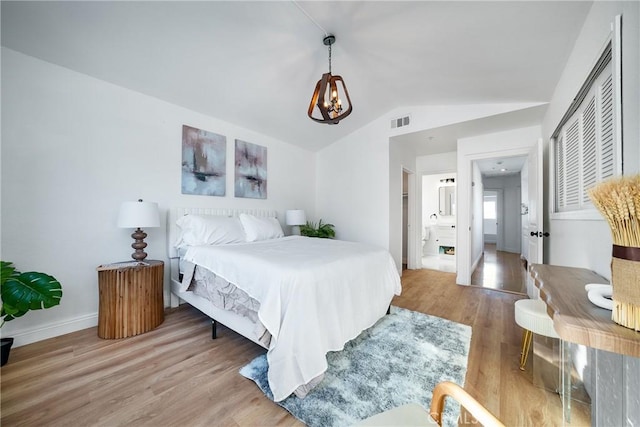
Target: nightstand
(131,298)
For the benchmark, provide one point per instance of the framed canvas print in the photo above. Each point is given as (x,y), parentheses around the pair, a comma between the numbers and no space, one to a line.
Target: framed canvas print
(251,170)
(204,161)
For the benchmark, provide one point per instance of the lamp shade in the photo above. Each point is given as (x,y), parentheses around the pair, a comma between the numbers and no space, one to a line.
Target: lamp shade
(139,214)
(295,217)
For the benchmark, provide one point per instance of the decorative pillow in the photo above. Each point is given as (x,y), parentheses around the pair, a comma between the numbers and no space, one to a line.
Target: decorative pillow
(260,228)
(209,230)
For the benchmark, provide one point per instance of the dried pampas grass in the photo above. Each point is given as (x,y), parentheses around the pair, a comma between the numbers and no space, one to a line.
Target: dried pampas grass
(618,200)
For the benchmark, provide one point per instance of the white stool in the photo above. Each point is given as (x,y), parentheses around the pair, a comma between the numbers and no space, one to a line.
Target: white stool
(531,314)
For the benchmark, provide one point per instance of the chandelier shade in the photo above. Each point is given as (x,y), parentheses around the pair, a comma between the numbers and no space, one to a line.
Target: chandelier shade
(327,95)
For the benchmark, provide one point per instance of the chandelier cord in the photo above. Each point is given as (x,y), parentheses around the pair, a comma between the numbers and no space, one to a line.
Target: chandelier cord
(329,59)
(310,18)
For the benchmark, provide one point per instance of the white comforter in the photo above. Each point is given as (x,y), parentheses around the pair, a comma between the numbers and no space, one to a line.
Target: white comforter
(314,294)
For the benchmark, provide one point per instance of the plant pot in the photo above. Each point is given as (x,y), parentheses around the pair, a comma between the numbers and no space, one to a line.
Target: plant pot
(625,270)
(5,346)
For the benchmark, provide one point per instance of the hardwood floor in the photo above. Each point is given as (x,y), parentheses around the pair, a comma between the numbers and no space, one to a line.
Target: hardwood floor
(176,375)
(500,270)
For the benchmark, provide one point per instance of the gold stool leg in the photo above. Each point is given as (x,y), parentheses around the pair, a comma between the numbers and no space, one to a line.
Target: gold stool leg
(526,345)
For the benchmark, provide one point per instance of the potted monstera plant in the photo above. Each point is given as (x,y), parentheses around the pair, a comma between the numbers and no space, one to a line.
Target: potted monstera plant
(22,292)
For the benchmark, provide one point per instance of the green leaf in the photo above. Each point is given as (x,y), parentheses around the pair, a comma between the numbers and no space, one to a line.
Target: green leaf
(10,313)
(6,270)
(321,230)
(31,291)
(22,292)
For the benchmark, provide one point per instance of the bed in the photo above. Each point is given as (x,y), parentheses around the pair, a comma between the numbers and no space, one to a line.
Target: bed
(299,297)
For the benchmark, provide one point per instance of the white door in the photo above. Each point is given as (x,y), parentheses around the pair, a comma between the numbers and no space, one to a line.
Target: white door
(535,215)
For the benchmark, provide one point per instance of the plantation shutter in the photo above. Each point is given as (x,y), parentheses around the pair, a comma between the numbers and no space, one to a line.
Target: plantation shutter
(608,154)
(572,165)
(589,152)
(560,175)
(585,150)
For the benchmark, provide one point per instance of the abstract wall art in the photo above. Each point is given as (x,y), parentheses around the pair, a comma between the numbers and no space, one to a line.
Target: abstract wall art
(204,161)
(251,170)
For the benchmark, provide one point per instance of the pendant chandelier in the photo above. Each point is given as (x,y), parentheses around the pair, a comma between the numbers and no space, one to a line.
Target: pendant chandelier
(327,94)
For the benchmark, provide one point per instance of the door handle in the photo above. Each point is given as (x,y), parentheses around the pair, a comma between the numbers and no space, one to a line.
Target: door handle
(539,234)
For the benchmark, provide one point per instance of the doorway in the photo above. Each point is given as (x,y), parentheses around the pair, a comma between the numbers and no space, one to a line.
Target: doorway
(405,218)
(438,233)
(408,240)
(490,212)
(500,266)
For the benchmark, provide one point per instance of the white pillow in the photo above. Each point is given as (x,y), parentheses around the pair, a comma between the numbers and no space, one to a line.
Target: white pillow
(260,228)
(209,230)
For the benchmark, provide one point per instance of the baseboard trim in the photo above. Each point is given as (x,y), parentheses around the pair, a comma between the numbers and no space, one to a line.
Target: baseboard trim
(32,335)
(475,263)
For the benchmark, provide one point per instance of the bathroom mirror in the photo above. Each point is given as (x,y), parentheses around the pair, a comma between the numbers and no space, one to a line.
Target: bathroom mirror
(447,200)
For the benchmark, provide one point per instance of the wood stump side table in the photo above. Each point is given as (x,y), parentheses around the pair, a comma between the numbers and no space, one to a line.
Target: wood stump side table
(131,298)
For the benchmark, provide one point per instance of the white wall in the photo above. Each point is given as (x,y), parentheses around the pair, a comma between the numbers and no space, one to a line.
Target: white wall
(353,185)
(437,163)
(73,149)
(566,245)
(516,142)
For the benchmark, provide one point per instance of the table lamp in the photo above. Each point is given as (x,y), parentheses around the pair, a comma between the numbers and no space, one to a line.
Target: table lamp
(136,215)
(295,218)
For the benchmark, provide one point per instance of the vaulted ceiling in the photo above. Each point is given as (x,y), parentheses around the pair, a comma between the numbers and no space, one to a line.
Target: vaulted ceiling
(255,64)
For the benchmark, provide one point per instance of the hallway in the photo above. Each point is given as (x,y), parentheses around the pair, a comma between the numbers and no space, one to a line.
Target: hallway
(500,270)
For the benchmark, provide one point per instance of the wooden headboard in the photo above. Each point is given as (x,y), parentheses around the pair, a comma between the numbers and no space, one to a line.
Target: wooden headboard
(176,213)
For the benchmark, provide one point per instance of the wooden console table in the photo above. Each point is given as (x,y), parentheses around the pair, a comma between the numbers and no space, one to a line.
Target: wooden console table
(575,318)
(131,298)
(613,350)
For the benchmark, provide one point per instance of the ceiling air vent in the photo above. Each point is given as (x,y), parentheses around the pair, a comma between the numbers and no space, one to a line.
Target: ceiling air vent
(400,122)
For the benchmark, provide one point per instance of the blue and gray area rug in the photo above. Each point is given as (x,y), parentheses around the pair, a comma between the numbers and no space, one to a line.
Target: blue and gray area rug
(399,360)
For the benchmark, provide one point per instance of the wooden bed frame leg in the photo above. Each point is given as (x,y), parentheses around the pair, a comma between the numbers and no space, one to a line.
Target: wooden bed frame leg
(389,309)
(214,329)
